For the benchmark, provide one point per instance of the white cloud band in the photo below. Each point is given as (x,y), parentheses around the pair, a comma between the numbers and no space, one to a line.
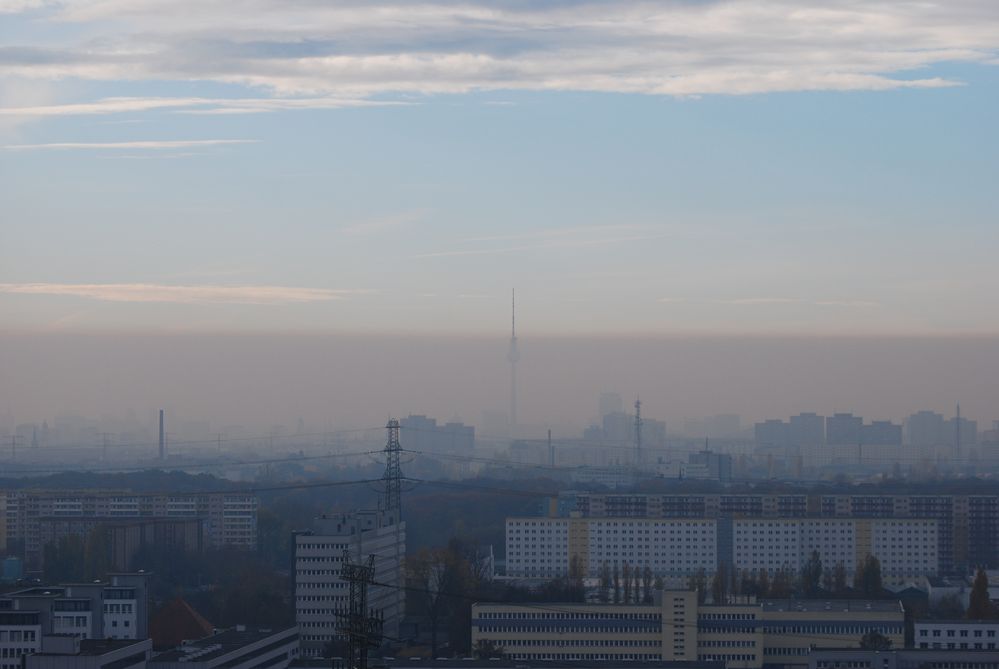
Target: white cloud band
(189,294)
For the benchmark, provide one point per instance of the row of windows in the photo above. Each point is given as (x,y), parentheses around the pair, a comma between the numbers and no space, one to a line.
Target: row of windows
(963,633)
(577,643)
(964,645)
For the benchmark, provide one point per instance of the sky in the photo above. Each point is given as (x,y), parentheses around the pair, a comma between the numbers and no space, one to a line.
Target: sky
(635,170)
(759,166)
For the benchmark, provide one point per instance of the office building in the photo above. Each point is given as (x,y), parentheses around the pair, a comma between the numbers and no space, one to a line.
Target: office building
(109,611)
(881,433)
(321,595)
(744,633)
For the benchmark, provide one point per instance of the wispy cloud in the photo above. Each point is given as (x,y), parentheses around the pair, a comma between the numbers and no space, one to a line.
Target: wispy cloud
(121,105)
(296,48)
(380,224)
(764,301)
(183,294)
(152,145)
(543,245)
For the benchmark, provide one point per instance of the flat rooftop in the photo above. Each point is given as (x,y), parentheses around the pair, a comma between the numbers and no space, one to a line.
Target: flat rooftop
(96,646)
(832,605)
(217,645)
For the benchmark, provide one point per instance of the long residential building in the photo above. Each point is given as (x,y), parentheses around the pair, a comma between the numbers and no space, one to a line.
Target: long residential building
(676,547)
(322,595)
(32,517)
(744,634)
(967,525)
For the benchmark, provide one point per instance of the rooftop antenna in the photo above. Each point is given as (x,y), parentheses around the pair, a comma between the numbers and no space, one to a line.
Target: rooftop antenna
(513,357)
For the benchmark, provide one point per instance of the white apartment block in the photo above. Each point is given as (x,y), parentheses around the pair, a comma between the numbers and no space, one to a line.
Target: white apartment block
(546,547)
(322,597)
(957,634)
(230,518)
(678,547)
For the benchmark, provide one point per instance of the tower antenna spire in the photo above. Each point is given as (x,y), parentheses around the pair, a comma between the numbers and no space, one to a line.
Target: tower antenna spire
(393,472)
(513,356)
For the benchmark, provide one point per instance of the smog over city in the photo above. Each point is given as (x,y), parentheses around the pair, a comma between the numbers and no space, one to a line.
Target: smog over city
(446,335)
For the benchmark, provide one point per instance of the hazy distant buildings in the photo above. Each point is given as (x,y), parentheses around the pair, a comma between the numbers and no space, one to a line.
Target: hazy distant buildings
(619,427)
(843,428)
(924,428)
(808,429)
(610,403)
(229,519)
(708,465)
(424,434)
(881,433)
(772,433)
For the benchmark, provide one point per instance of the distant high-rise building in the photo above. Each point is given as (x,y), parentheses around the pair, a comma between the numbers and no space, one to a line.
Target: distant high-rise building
(610,403)
(808,429)
(843,428)
(425,434)
(772,432)
(924,428)
(881,433)
(722,426)
(960,428)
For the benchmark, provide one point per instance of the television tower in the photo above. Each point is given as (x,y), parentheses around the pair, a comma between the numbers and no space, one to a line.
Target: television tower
(638,431)
(513,357)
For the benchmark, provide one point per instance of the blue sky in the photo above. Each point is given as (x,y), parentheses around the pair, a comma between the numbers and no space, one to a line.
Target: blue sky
(757,167)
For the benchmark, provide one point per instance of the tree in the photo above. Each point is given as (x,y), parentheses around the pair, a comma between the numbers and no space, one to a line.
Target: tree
(603,594)
(763,583)
(948,607)
(867,579)
(616,580)
(486,649)
(698,581)
(811,575)
(719,585)
(647,584)
(626,577)
(875,640)
(435,574)
(828,582)
(979,604)
(839,578)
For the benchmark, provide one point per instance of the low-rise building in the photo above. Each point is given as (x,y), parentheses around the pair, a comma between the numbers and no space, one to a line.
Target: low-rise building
(744,634)
(71,652)
(237,648)
(956,634)
(902,658)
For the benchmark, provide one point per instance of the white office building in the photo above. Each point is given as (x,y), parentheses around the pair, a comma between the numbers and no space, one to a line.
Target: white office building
(322,596)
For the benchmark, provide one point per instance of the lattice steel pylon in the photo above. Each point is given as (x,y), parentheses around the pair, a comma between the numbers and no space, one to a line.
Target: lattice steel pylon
(362,629)
(393,472)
